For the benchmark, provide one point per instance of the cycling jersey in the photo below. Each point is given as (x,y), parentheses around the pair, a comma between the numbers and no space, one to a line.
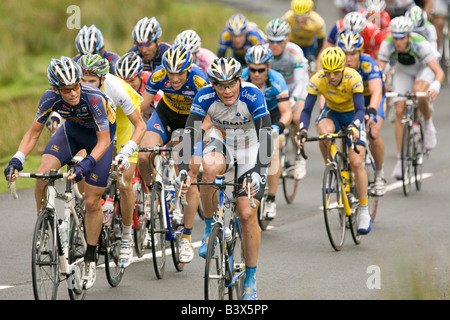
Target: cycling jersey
(293,65)
(371,35)
(150,65)
(111,56)
(420,51)
(381,20)
(145,76)
(428,31)
(305,36)
(121,94)
(79,131)
(204,58)
(275,89)
(180,100)
(253,38)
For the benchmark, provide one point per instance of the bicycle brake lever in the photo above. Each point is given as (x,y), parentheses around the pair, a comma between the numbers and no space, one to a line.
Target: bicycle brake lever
(249,184)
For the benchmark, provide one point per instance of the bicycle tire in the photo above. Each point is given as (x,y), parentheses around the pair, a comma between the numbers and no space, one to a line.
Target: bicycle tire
(141,223)
(406,158)
(372,197)
(418,157)
(175,247)
(76,251)
(44,257)
(333,205)
(263,221)
(157,231)
(215,288)
(113,268)
(238,263)
(290,184)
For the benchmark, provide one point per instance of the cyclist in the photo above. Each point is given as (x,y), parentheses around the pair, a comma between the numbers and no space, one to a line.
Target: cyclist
(130,68)
(276,93)
(179,80)
(355,21)
(375,100)
(130,130)
(147,43)
(90,124)
(240,117)
(417,69)
(308,29)
(423,27)
(201,56)
(343,89)
(375,12)
(90,41)
(239,35)
(292,64)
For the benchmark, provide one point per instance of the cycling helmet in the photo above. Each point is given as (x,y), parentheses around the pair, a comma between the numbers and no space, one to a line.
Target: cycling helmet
(259,54)
(190,39)
(89,40)
(146,30)
(224,69)
(94,64)
(237,24)
(401,26)
(333,59)
(354,21)
(129,66)
(418,16)
(63,72)
(177,59)
(301,7)
(278,29)
(350,41)
(375,6)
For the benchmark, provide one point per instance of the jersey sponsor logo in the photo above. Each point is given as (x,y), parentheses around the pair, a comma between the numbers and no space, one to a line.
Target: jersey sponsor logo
(247,95)
(157,126)
(93,177)
(359,83)
(199,82)
(158,75)
(205,96)
(366,66)
(54,148)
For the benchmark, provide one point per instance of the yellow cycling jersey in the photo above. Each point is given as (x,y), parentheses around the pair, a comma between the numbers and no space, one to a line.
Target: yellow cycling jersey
(338,98)
(304,37)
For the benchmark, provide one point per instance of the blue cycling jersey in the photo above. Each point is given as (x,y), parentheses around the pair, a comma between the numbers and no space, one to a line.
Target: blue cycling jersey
(252,38)
(369,70)
(109,55)
(150,65)
(275,89)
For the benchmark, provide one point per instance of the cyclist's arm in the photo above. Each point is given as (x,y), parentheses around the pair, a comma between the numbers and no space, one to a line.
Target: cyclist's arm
(30,138)
(192,134)
(147,101)
(301,81)
(360,109)
(263,127)
(305,116)
(286,114)
(320,43)
(438,78)
(376,92)
(139,126)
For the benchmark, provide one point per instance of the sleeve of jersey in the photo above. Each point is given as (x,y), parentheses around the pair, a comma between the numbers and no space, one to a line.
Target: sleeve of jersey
(128,99)
(255,101)
(332,36)
(102,112)
(224,42)
(282,88)
(154,82)
(45,107)
(385,52)
(322,29)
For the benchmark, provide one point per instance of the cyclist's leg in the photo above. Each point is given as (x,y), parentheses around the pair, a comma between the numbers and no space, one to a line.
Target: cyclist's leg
(377,149)
(327,122)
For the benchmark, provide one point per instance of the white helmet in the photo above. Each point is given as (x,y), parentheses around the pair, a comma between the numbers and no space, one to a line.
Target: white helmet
(63,72)
(146,30)
(401,26)
(354,21)
(190,39)
(129,66)
(278,29)
(418,16)
(89,40)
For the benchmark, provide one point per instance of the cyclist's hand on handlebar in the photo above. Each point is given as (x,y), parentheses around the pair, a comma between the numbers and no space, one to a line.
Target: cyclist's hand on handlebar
(83,168)
(184,177)
(301,135)
(353,133)
(256,183)
(14,166)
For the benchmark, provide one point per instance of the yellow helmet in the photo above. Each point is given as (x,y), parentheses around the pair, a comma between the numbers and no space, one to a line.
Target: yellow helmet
(333,59)
(302,6)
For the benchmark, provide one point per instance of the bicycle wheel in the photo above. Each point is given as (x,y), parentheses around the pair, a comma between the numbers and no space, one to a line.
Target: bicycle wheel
(418,156)
(353,218)
(44,258)
(333,206)
(141,219)
(287,162)
(262,218)
(373,198)
(406,158)
(76,252)
(113,268)
(158,231)
(175,247)
(215,288)
(238,262)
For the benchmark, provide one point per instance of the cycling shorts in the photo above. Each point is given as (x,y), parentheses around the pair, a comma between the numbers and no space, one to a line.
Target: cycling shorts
(71,138)
(405,77)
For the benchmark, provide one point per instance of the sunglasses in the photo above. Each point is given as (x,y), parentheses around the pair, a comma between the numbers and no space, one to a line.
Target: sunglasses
(253,70)
(143,44)
(276,41)
(69,90)
(222,86)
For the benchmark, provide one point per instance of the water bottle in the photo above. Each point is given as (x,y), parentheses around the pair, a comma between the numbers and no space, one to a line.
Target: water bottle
(63,231)
(228,236)
(108,209)
(170,198)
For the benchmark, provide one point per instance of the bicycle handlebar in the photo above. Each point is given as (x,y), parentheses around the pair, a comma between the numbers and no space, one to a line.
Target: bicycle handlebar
(156,149)
(410,95)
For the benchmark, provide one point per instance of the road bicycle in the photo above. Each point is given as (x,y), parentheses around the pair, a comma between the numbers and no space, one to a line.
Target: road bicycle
(339,196)
(59,242)
(225,263)
(111,234)
(412,148)
(369,164)
(166,220)
(141,214)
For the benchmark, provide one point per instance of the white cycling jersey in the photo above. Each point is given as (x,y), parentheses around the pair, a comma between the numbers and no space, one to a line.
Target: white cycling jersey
(120,94)
(293,65)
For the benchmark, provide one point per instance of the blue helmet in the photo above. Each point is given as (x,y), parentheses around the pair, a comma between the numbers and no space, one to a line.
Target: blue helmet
(224,69)
(237,24)
(350,41)
(177,59)
(89,40)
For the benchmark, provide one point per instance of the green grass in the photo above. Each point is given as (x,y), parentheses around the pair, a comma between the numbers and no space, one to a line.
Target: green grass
(37,32)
